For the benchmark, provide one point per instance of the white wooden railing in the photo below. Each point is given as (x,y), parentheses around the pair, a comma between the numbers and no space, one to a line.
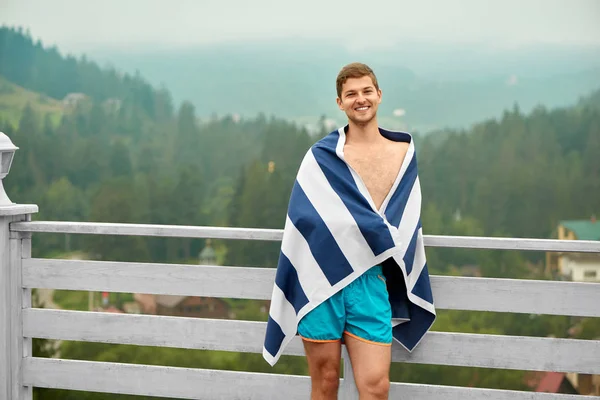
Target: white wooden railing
(20,371)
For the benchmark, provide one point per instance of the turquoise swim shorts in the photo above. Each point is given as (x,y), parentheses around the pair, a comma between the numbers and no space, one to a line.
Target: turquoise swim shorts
(361,310)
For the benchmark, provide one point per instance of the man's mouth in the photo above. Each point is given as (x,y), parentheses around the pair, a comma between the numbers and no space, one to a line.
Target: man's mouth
(361,108)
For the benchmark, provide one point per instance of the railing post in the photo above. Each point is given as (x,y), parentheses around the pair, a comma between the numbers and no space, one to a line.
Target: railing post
(13,298)
(348,389)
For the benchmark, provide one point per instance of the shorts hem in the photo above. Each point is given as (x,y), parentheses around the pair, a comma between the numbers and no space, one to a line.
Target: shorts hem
(367,341)
(320,340)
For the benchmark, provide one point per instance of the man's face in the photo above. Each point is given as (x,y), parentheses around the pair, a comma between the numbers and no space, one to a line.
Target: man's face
(359,99)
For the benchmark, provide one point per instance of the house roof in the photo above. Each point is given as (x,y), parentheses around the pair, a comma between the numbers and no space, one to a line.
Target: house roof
(147,300)
(168,300)
(550,382)
(583,229)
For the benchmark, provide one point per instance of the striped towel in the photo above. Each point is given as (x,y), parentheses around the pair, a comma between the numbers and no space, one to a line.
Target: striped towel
(333,233)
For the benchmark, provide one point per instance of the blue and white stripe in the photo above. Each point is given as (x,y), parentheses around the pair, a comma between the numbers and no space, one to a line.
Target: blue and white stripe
(333,233)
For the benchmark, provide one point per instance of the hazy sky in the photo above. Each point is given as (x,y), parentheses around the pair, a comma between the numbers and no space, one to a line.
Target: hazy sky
(76,25)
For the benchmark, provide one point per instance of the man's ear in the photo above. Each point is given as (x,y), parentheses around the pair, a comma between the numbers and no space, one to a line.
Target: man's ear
(379,92)
(339,103)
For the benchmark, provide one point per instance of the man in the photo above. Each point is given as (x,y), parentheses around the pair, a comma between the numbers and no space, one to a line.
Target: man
(352,266)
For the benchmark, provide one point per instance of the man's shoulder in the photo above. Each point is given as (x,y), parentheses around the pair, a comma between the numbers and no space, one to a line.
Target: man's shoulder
(323,148)
(396,136)
(327,142)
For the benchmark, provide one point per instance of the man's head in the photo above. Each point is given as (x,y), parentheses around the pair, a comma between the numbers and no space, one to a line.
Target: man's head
(354,70)
(358,92)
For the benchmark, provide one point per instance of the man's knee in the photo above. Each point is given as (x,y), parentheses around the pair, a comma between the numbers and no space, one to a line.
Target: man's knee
(330,380)
(324,367)
(376,386)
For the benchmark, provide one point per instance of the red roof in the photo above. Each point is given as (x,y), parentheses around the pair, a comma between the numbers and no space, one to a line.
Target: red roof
(550,382)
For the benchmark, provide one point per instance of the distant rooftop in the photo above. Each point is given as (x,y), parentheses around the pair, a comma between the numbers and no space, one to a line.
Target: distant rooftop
(584,229)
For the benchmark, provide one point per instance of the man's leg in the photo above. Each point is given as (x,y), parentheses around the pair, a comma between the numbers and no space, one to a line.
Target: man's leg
(321,332)
(371,366)
(324,368)
(368,334)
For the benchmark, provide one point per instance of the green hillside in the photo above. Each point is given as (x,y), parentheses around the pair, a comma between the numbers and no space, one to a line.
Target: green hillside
(29,64)
(14,98)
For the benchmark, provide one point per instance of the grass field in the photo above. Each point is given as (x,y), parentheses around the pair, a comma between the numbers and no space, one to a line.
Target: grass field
(14,98)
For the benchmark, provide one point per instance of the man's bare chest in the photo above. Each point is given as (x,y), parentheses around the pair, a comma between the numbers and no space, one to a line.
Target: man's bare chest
(377,168)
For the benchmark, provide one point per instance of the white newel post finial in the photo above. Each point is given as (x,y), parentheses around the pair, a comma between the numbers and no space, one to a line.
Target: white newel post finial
(7,152)
(14,247)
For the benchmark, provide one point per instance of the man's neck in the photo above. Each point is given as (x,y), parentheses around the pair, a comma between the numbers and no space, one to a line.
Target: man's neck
(359,134)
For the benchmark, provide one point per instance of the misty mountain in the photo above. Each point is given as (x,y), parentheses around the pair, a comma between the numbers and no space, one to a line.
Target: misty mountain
(434,86)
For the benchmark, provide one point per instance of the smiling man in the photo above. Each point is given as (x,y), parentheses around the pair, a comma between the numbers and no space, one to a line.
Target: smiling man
(360,313)
(352,266)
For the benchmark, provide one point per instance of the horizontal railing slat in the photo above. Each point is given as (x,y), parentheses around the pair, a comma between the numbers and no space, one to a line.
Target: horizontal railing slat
(188,383)
(149,330)
(521,244)
(182,231)
(174,279)
(184,383)
(517,295)
(459,293)
(473,242)
(440,348)
(435,392)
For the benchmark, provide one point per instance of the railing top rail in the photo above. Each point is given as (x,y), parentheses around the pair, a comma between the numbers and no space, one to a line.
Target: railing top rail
(473,242)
